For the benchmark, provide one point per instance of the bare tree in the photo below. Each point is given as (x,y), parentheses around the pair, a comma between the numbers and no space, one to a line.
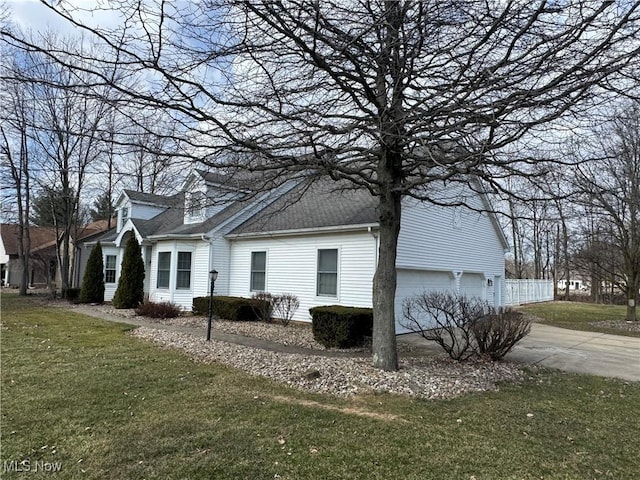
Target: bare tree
(64,133)
(611,188)
(15,124)
(390,96)
(149,153)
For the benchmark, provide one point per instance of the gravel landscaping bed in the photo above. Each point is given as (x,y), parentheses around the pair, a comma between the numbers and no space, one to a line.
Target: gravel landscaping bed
(618,325)
(429,377)
(424,377)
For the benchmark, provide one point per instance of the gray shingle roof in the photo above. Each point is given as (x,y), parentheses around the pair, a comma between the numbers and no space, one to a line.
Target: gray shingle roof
(160,200)
(325,203)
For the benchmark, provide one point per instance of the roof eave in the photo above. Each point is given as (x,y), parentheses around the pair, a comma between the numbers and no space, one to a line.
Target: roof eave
(305,231)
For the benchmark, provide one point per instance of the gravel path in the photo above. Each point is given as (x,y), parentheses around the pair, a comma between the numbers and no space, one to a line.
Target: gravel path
(424,376)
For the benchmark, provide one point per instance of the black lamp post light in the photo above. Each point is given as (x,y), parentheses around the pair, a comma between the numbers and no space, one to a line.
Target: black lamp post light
(213,275)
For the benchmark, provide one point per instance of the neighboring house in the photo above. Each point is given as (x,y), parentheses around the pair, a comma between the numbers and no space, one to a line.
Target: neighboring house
(43,262)
(40,264)
(574,284)
(320,244)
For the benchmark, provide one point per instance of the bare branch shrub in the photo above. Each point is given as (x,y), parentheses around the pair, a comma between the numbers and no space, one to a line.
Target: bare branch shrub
(285,307)
(263,306)
(445,318)
(498,332)
(464,327)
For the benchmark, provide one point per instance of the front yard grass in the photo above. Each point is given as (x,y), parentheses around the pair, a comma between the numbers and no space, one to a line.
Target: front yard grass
(79,391)
(581,316)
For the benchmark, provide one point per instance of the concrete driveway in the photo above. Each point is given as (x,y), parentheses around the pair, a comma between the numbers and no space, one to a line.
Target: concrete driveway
(570,350)
(581,352)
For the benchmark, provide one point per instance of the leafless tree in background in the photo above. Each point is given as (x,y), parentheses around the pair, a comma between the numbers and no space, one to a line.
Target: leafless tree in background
(391,96)
(611,191)
(15,124)
(65,134)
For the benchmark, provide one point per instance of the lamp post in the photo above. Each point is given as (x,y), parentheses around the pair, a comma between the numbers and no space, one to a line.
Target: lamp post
(213,275)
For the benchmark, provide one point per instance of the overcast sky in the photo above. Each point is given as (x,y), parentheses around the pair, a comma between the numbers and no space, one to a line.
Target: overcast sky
(33,15)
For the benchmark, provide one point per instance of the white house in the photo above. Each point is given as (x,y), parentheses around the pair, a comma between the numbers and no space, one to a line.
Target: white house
(320,244)
(574,284)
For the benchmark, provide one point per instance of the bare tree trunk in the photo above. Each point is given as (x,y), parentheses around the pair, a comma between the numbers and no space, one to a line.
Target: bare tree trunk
(385,354)
(565,253)
(555,263)
(24,247)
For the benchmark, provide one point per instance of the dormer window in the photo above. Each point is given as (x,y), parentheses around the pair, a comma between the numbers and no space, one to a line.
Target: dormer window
(124,216)
(195,205)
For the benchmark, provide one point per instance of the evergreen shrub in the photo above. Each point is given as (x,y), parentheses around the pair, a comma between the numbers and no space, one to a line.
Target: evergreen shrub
(92,290)
(335,326)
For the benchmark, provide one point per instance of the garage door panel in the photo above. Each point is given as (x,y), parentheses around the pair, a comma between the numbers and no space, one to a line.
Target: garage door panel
(414,282)
(472,285)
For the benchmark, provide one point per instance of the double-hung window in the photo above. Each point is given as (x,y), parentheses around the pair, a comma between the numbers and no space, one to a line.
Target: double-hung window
(110,269)
(124,216)
(327,281)
(258,271)
(183,273)
(164,269)
(196,204)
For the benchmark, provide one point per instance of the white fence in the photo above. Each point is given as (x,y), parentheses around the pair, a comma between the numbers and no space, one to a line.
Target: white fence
(519,292)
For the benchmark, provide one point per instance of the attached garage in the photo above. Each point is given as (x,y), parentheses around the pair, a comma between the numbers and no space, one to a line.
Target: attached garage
(413,282)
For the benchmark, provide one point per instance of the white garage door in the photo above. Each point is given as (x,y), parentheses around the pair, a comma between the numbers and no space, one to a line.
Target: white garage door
(472,285)
(412,282)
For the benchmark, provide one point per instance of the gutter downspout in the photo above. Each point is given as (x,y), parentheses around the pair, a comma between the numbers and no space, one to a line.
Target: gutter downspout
(210,242)
(376,239)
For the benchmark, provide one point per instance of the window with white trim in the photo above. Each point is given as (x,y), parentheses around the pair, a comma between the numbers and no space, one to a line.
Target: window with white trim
(110,269)
(164,269)
(196,204)
(327,281)
(183,271)
(124,216)
(258,271)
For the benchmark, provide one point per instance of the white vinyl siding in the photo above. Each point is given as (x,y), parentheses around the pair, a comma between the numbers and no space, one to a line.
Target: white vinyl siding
(327,280)
(292,268)
(258,271)
(183,270)
(145,212)
(164,270)
(432,238)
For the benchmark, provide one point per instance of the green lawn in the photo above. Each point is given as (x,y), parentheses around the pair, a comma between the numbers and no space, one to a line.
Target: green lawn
(579,316)
(81,392)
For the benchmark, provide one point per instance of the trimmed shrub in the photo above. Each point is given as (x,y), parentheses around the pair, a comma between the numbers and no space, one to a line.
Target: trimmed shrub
(497,333)
(200,306)
(92,290)
(130,291)
(72,294)
(229,308)
(158,310)
(336,326)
